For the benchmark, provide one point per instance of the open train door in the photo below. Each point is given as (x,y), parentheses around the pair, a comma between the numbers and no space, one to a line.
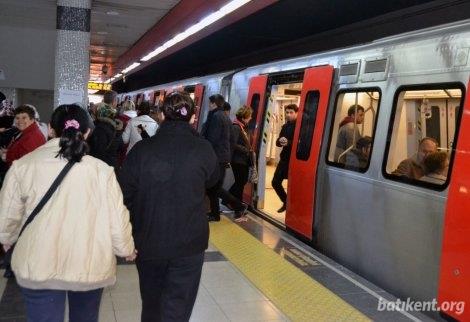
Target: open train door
(306,146)
(198,96)
(256,99)
(454,281)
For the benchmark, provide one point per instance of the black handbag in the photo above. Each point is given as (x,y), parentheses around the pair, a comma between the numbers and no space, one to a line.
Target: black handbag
(39,207)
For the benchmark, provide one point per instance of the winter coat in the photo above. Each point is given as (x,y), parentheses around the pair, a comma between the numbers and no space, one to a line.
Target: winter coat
(29,139)
(345,138)
(105,142)
(217,131)
(164,179)
(72,242)
(410,168)
(241,148)
(287,131)
(131,134)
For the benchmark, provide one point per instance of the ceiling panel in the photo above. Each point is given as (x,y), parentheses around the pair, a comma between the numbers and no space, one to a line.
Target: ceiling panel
(117,24)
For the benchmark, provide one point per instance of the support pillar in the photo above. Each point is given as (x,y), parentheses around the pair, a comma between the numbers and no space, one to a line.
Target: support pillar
(72,61)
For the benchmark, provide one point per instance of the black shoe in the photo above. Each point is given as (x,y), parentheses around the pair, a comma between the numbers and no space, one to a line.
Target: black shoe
(213,218)
(282,209)
(241,212)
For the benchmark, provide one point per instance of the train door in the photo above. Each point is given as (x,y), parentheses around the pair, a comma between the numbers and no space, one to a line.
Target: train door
(278,91)
(198,96)
(306,147)
(454,281)
(256,100)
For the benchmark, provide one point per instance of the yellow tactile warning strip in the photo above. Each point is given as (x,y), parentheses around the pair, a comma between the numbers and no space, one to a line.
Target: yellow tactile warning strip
(297,295)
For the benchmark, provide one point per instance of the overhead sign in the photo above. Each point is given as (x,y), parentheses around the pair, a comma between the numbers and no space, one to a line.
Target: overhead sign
(99,86)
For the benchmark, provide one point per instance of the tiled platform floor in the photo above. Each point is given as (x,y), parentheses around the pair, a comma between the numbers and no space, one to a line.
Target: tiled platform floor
(224,295)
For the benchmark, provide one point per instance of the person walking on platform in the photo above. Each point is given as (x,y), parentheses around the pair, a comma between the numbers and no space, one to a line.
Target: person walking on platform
(217,130)
(285,141)
(164,179)
(241,157)
(68,211)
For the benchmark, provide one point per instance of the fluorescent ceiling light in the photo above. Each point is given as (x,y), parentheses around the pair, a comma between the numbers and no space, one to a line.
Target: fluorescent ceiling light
(210,19)
(130,67)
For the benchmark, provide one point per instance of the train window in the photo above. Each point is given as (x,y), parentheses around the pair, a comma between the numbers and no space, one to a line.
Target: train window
(423,131)
(307,125)
(254,104)
(352,133)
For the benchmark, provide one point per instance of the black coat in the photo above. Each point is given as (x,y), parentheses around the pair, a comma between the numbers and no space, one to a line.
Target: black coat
(287,131)
(105,142)
(164,179)
(217,131)
(241,146)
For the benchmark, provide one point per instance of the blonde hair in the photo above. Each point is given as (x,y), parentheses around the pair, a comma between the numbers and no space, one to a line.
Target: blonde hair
(244,112)
(128,106)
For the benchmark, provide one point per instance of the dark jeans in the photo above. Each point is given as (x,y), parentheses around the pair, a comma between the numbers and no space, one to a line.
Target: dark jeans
(217,192)
(49,305)
(280,174)
(240,172)
(169,287)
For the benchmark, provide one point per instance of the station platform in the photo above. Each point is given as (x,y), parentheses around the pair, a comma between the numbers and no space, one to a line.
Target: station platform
(253,271)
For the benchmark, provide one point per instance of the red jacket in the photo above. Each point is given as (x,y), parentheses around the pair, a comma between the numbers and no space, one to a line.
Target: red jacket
(30,139)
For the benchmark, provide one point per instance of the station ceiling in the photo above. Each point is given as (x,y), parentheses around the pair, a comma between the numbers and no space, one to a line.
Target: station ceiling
(290,28)
(287,28)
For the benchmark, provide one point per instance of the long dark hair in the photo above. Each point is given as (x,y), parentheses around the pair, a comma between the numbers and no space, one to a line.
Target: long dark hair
(70,123)
(178,106)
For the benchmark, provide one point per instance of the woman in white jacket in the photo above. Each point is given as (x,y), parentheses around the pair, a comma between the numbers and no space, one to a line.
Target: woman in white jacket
(69,248)
(132,132)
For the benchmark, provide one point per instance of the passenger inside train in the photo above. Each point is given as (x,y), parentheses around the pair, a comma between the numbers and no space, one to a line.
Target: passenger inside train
(424,124)
(352,134)
(436,166)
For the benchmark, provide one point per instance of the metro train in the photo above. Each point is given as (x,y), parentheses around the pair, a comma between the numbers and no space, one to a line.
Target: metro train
(410,237)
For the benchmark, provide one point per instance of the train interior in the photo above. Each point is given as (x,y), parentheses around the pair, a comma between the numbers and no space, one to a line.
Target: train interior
(280,96)
(369,100)
(423,113)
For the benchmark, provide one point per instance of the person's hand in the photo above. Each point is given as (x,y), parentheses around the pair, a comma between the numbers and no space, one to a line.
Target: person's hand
(6,247)
(3,154)
(2,129)
(283,141)
(132,257)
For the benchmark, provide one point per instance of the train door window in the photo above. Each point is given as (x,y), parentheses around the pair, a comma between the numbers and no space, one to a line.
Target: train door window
(307,125)
(353,129)
(423,131)
(281,95)
(254,104)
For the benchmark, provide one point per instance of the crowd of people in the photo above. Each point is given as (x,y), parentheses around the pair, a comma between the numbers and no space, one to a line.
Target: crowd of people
(124,181)
(131,182)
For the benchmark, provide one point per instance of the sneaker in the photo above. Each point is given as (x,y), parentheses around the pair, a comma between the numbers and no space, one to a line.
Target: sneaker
(282,209)
(213,218)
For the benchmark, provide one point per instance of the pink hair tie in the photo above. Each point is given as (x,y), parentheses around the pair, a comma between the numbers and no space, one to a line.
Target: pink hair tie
(72,123)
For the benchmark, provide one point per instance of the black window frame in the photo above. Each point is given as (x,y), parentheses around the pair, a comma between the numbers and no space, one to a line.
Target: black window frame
(309,133)
(423,87)
(332,124)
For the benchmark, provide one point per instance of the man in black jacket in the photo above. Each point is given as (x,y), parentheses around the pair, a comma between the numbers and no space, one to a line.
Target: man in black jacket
(217,131)
(285,141)
(163,180)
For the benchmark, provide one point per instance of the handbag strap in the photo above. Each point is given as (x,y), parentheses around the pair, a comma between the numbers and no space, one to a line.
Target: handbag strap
(48,195)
